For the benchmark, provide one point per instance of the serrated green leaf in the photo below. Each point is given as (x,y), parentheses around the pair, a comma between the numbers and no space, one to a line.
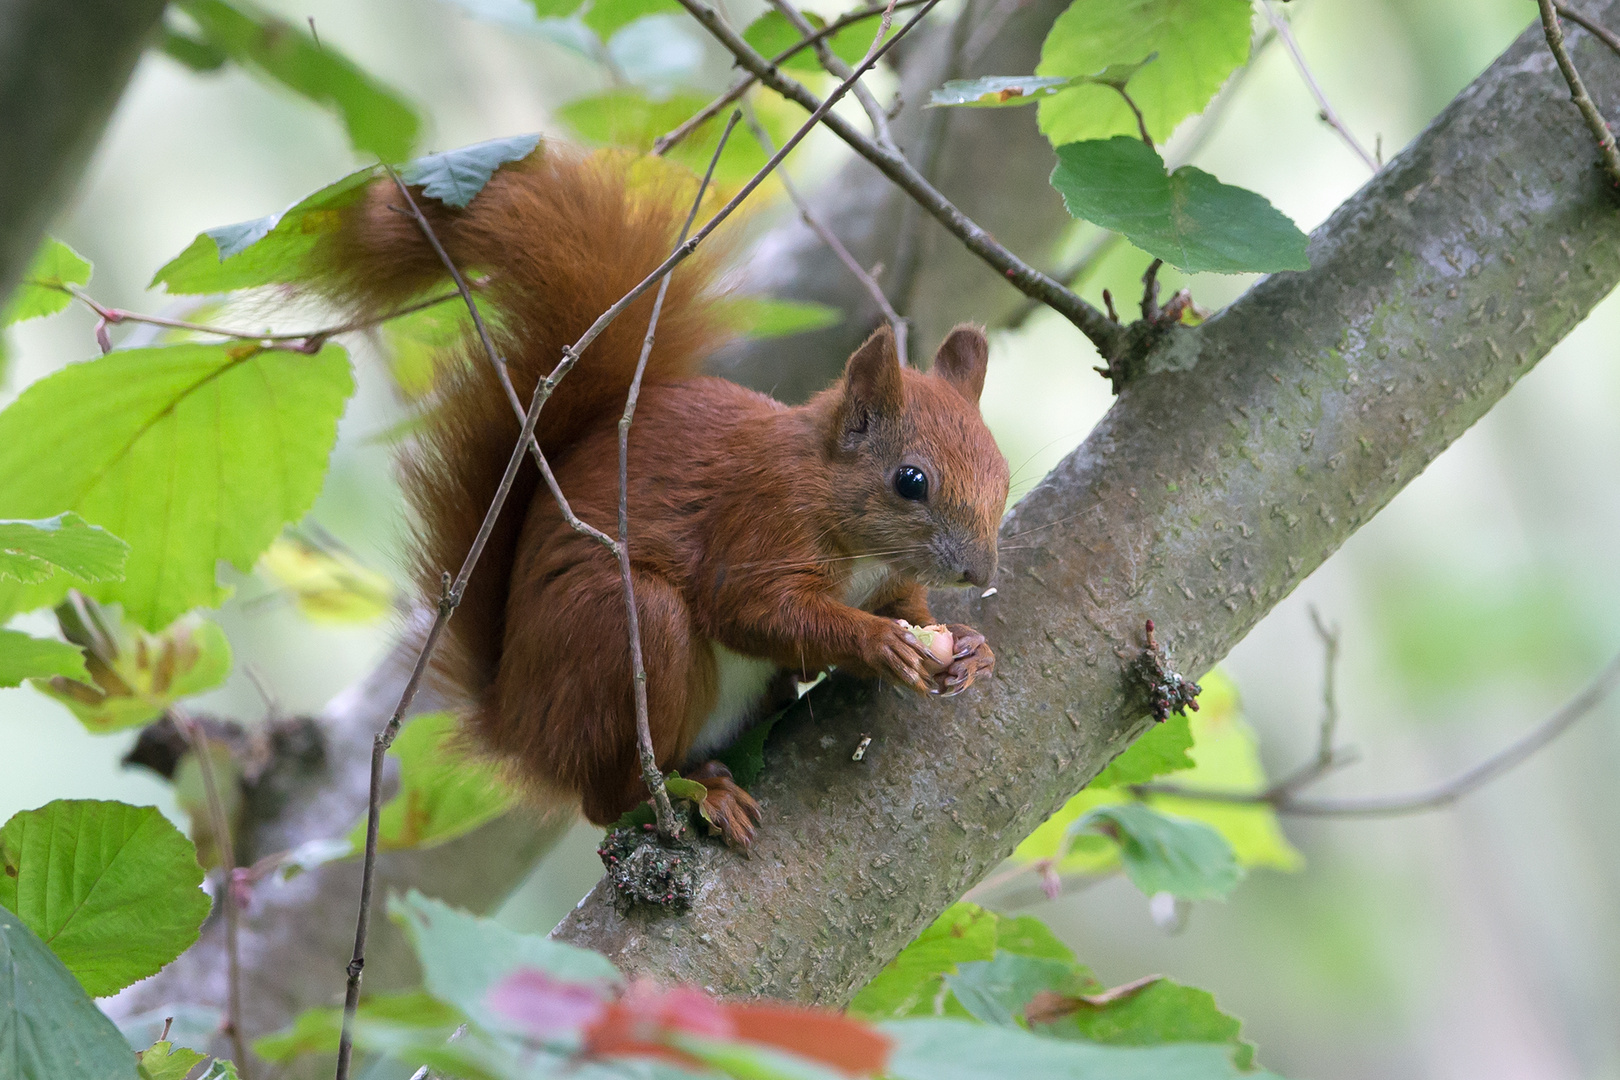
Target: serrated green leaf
(316,1031)
(271,250)
(165,1061)
(1162,749)
(769,317)
(1187,218)
(377,119)
(43,290)
(607,17)
(1162,1012)
(32,551)
(442,793)
(463,956)
(113,889)
(913,983)
(144,673)
(455,176)
(49,1027)
(23,656)
(193,454)
(946,1049)
(1199,44)
(1162,853)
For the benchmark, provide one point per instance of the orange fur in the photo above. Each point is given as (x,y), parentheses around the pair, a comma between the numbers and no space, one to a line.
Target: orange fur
(751,522)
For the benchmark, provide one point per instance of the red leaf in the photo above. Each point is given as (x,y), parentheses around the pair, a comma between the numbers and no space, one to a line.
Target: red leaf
(847,1045)
(544,1005)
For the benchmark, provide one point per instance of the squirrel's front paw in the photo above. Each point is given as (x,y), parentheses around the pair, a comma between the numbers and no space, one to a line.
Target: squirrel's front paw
(971,659)
(893,652)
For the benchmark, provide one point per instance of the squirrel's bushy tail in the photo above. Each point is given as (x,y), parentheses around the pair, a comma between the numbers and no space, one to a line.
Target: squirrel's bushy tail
(560,237)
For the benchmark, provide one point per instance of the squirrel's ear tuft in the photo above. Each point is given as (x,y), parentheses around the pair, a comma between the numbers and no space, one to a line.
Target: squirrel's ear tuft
(872,382)
(961,360)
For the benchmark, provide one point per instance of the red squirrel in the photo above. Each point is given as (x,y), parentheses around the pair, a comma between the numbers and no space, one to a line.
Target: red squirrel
(767,542)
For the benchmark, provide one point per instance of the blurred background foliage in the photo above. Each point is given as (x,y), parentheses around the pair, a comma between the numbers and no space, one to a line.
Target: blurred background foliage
(1477,942)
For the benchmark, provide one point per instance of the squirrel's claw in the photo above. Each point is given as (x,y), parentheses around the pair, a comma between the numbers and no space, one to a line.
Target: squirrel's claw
(731,812)
(973,660)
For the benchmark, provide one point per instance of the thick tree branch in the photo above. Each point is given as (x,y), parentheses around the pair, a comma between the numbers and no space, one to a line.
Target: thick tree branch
(63,67)
(1200,501)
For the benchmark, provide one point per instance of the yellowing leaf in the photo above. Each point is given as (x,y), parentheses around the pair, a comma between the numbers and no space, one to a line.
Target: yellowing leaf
(133,675)
(327,585)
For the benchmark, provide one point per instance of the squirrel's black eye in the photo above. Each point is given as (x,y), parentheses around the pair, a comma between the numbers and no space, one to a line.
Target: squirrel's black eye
(911,483)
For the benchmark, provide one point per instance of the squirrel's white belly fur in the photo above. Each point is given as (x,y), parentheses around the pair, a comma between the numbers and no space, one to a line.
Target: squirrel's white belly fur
(743,681)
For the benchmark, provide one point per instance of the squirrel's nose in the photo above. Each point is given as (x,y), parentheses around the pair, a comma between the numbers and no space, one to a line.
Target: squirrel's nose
(980,569)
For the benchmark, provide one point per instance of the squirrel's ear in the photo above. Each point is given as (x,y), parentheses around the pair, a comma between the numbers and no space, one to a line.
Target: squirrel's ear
(872,382)
(961,360)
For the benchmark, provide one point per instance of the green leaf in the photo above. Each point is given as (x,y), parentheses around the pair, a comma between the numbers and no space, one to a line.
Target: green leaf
(463,956)
(271,250)
(607,17)
(913,983)
(194,454)
(23,656)
(1162,749)
(946,1049)
(772,35)
(1167,854)
(420,343)
(49,1027)
(455,176)
(681,788)
(316,1031)
(1187,218)
(1028,936)
(43,290)
(996,991)
(1163,1012)
(753,1061)
(998,91)
(165,1061)
(629,118)
(200,56)
(442,793)
(136,676)
(32,551)
(768,317)
(1003,91)
(113,889)
(377,119)
(1199,43)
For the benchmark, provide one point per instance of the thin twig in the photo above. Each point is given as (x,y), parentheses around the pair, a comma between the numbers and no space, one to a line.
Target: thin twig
(114,316)
(1091,322)
(838,69)
(651,774)
(1577,92)
(1327,112)
(828,237)
(664,143)
(220,825)
(453,589)
(1141,121)
(1590,25)
(1282,799)
(1330,679)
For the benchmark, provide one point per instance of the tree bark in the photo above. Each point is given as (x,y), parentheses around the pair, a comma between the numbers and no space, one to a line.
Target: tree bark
(1199,502)
(63,66)
(1201,499)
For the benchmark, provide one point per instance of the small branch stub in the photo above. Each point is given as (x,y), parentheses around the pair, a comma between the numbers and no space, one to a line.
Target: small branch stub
(1168,691)
(646,870)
